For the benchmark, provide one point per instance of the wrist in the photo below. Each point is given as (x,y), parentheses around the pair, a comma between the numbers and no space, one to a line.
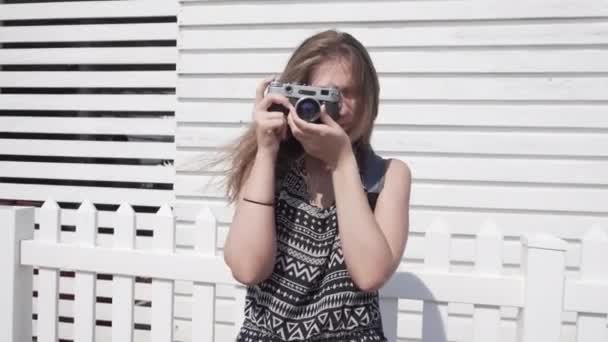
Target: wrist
(266,155)
(345,158)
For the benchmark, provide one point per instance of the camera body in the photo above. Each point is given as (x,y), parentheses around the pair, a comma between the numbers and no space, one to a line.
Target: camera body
(307,100)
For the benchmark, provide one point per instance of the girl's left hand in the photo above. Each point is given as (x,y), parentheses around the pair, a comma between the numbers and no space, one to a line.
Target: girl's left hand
(326,141)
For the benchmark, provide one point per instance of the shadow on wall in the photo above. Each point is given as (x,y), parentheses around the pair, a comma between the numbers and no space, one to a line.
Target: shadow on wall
(406,285)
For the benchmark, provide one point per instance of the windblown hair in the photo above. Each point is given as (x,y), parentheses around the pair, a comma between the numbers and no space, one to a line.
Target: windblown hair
(321,47)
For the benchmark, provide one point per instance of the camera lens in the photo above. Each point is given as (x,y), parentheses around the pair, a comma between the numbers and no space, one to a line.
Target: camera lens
(308,109)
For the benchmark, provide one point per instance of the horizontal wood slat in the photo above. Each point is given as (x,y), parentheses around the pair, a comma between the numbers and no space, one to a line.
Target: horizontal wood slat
(92,172)
(496,116)
(103,55)
(89,9)
(460,168)
(89,79)
(80,125)
(457,195)
(515,60)
(86,33)
(99,195)
(122,102)
(82,148)
(388,140)
(466,221)
(399,36)
(486,88)
(221,13)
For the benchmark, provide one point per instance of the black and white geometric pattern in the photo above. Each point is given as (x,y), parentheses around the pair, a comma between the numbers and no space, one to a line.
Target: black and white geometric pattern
(310,295)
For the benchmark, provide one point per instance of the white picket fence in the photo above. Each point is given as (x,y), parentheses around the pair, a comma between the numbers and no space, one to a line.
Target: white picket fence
(541,293)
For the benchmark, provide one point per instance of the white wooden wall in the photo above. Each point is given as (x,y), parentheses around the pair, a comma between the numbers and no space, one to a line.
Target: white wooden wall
(499,107)
(64,80)
(87,112)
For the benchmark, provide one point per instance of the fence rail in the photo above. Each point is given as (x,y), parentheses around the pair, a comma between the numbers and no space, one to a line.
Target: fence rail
(541,293)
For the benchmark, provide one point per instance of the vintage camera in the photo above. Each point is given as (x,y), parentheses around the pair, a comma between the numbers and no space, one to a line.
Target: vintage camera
(307,100)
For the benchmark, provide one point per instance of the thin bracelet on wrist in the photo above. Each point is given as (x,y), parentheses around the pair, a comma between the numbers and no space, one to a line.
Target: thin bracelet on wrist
(271,204)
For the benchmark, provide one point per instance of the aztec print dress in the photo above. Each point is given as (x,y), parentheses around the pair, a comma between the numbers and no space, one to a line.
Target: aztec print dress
(310,295)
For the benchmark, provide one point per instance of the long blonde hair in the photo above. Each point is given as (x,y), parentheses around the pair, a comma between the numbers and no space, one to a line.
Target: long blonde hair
(323,46)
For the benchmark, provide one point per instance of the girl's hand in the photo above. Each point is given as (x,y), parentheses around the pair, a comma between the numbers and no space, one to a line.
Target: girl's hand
(326,141)
(270,127)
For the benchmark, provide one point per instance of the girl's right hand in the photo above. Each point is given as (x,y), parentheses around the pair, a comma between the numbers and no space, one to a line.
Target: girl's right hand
(270,127)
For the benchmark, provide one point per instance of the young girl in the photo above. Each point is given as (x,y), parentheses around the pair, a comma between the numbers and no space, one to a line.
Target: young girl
(311,236)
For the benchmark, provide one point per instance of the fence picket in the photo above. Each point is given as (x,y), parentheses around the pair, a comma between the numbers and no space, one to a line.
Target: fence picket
(84,292)
(240,293)
(16,225)
(592,327)
(389,310)
(488,260)
(48,279)
(435,314)
(543,263)
(123,286)
(162,289)
(203,294)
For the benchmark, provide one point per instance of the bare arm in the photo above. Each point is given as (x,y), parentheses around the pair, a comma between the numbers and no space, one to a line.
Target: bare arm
(372,242)
(250,247)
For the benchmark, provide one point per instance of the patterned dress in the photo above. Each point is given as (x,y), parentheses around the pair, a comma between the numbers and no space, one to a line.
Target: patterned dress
(310,295)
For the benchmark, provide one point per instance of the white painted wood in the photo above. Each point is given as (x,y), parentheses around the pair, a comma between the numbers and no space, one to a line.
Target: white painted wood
(47,277)
(84,292)
(90,79)
(223,331)
(411,61)
(586,297)
(389,311)
(222,13)
(150,197)
(566,225)
(435,312)
(16,288)
(91,55)
(203,294)
(497,169)
(182,266)
(393,141)
(414,87)
(122,314)
(183,304)
(465,115)
(544,264)
(99,9)
(106,125)
(97,32)
(150,102)
(455,195)
(509,288)
(131,149)
(460,168)
(105,219)
(592,328)
(238,312)
(488,261)
(576,33)
(107,172)
(225,305)
(162,289)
